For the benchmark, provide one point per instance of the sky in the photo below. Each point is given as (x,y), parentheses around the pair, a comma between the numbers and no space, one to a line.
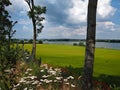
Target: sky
(67,19)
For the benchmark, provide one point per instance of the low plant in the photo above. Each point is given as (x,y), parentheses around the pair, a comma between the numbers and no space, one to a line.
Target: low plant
(48,78)
(114,87)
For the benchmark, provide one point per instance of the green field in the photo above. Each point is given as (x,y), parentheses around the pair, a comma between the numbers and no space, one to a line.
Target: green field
(106,64)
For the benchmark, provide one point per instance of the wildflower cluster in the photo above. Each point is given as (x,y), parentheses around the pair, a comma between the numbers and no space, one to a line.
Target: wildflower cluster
(49,78)
(52,78)
(28,82)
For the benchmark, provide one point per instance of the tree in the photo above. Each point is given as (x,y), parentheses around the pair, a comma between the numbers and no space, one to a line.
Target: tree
(8,55)
(4,25)
(4,20)
(90,46)
(11,32)
(35,14)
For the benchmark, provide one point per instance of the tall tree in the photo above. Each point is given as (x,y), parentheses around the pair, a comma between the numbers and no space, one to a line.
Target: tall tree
(35,13)
(90,45)
(4,20)
(8,55)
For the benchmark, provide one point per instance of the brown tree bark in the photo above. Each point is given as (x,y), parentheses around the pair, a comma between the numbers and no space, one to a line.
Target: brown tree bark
(34,33)
(90,46)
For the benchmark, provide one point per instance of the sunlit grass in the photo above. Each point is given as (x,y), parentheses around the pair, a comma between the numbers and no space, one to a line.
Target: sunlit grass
(107,61)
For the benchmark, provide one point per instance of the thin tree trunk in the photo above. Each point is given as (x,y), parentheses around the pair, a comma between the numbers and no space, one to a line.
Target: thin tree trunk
(34,33)
(90,46)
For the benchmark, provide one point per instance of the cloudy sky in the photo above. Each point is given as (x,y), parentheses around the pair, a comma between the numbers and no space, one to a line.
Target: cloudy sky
(67,19)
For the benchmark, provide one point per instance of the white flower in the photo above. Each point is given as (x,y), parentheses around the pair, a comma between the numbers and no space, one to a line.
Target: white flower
(45,76)
(55,80)
(27,57)
(26,77)
(53,72)
(65,80)
(67,83)
(29,69)
(7,71)
(25,88)
(41,70)
(26,72)
(46,81)
(58,78)
(72,85)
(17,85)
(50,80)
(28,82)
(35,82)
(33,77)
(22,80)
(30,74)
(70,77)
(40,83)
(41,80)
(57,69)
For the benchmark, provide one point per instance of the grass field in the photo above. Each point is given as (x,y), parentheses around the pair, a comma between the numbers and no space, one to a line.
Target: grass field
(106,64)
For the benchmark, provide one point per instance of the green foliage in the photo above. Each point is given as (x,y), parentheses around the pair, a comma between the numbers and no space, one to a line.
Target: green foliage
(8,61)
(9,53)
(81,44)
(35,13)
(40,42)
(30,41)
(35,68)
(78,44)
(114,87)
(75,44)
(4,20)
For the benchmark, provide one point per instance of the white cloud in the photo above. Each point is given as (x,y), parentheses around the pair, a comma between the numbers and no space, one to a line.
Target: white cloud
(53,1)
(25,28)
(24,21)
(107,25)
(105,10)
(18,5)
(63,32)
(78,13)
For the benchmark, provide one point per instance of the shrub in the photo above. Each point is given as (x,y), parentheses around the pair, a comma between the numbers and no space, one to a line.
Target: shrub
(75,44)
(40,42)
(81,44)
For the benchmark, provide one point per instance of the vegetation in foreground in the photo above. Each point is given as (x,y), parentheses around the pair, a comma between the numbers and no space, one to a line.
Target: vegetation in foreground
(46,77)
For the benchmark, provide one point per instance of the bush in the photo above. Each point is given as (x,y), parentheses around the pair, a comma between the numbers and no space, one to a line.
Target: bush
(40,42)
(75,44)
(8,62)
(81,44)
(30,41)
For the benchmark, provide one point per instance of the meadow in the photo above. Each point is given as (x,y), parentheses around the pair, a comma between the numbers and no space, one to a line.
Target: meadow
(106,63)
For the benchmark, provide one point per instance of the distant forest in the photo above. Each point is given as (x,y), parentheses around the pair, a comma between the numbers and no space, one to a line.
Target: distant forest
(39,40)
